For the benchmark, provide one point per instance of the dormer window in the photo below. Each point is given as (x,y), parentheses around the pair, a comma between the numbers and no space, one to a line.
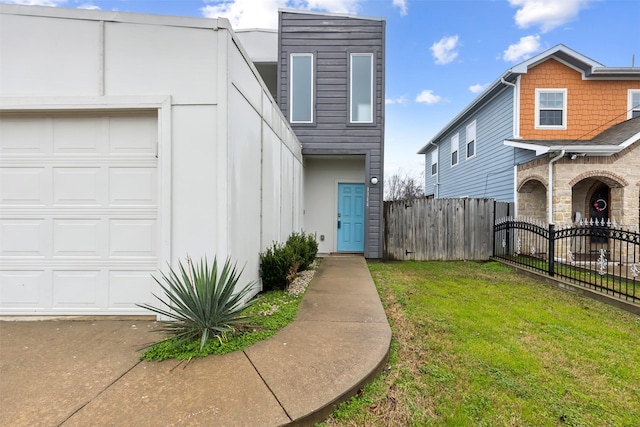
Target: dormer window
(551,109)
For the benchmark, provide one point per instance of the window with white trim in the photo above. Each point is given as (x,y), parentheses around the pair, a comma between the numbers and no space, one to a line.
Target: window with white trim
(471,139)
(633,109)
(454,149)
(301,96)
(434,161)
(551,109)
(361,88)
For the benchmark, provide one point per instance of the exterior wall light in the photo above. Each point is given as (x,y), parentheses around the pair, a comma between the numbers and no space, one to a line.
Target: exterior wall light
(374,180)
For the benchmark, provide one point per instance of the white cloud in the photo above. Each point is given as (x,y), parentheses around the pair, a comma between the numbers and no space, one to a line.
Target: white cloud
(428,97)
(89,6)
(402,100)
(524,49)
(444,51)
(402,5)
(336,6)
(477,88)
(547,14)
(264,13)
(52,3)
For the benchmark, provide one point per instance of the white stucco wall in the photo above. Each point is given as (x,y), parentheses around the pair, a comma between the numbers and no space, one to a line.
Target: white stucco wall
(321,177)
(229,165)
(260,44)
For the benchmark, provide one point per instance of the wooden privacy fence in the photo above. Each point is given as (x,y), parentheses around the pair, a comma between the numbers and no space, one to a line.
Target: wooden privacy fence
(441,229)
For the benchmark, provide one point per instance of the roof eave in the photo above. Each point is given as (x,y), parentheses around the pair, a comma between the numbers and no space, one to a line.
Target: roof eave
(588,150)
(487,94)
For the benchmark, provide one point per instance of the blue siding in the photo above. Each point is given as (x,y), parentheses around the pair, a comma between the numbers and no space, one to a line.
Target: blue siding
(491,172)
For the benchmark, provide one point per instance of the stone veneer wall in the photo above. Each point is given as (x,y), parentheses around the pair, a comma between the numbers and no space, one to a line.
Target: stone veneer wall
(573,183)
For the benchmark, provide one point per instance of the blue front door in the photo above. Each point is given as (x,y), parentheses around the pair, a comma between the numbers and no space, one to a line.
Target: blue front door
(351,217)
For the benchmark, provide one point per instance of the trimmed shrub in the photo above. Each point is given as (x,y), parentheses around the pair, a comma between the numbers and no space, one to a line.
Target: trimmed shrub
(278,267)
(305,247)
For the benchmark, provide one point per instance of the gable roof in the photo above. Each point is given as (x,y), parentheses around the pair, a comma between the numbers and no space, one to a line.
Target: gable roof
(589,68)
(610,141)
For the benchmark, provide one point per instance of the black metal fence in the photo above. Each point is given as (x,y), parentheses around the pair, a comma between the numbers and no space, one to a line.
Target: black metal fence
(599,255)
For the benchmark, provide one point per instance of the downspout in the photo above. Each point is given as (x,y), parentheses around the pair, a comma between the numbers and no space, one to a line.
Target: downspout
(516,134)
(550,185)
(516,105)
(437,184)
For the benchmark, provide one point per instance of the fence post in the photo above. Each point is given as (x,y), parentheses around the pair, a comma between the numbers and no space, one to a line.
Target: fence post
(508,232)
(493,228)
(552,249)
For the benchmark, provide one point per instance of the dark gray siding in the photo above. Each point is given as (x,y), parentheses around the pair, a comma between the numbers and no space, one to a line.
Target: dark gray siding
(331,39)
(490,174)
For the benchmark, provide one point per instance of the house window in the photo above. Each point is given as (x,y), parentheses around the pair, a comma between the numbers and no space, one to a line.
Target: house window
(301,88)
(633,109)
(361,84)
(551,109)
(454,149)
(471,139)
(434,161)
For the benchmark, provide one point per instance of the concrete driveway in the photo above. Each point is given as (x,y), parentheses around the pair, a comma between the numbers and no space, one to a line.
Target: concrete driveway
(87,373)
(51,369)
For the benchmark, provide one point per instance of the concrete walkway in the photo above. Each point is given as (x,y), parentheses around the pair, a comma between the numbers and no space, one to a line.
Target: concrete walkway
(81,373)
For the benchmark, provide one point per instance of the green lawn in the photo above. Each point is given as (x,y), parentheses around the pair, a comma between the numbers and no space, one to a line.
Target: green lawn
(477,345)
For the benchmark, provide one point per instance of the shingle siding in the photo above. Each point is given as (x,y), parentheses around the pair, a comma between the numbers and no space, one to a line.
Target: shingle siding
(490,173)
(331,39)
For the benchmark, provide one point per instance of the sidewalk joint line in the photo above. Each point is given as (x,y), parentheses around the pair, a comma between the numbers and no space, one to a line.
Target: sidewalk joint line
(100,393)
(267,385)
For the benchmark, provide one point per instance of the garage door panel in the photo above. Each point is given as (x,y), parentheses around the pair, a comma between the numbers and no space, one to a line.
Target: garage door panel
(24,186)
(128,288)
(23,237)
(80,135)
(77,289)
(79,186)
(26,135)
(77,237)
(132,238)
(22,289)
(134,134)
(132,186)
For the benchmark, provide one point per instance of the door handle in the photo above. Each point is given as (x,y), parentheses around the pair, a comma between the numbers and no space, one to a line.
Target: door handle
(339,223)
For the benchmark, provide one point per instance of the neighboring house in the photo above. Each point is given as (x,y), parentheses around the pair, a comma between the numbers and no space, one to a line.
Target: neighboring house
(130,141)
(554,134)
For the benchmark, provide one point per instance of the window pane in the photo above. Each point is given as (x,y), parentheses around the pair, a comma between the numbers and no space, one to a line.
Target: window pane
(635,101)
(454,158)
(434,169)
(550,118)
(471,148)
(551,100)
(301,89)
(361,88)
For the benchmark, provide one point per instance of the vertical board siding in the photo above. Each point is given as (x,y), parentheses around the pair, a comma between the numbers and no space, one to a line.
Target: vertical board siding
(331,39)
(441,229)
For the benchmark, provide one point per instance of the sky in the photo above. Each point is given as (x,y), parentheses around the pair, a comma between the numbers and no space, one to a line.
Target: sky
(440,54)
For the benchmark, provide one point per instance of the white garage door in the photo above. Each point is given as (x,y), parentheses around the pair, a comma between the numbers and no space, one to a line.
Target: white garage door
(78,212)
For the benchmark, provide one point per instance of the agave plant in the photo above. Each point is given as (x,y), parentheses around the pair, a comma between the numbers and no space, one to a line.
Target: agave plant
(203,304)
